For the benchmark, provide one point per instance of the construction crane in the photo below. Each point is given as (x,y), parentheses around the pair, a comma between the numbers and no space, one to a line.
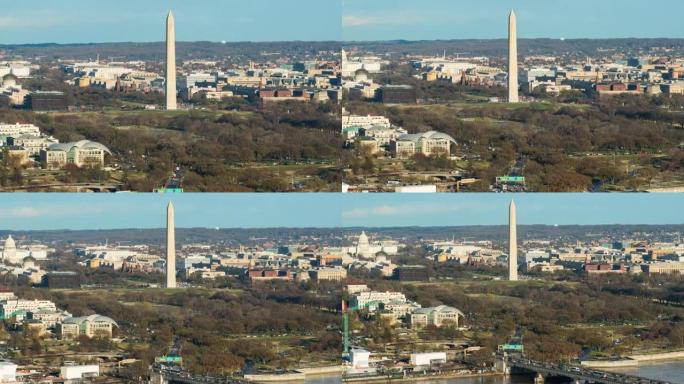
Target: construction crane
(346,310)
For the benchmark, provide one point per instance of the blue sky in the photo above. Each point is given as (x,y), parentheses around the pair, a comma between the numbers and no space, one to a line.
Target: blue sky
(465,19)
(85,21)
(107,211)
(133,210)
(492,209)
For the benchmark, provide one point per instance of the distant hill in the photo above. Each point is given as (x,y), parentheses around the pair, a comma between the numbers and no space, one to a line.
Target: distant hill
(303,49)
(526,47)
(335,236)
(184,50)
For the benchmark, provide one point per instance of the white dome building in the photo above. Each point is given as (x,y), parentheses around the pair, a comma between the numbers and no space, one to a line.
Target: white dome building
(9,252)
(363,248)
(81,153)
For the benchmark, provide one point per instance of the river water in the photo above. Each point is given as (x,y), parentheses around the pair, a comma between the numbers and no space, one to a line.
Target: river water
(468,380)
(671,371)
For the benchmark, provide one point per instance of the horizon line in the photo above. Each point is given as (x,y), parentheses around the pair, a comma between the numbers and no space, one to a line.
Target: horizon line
(164,42)
(340,227)
(506,38)
(343,41)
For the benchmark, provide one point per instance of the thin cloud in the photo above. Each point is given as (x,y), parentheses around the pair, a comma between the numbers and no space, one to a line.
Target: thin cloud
(403,17)
(351,21)
(24,212)
(29,22)
(399,210)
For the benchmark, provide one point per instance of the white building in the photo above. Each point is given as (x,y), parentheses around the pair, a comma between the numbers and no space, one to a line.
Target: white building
(90,326)
(357,288)
(81,153)
(350,66)
(373,298)
(17,129)
(78,372)
(435,316)
(32,143)
(21,69)
(363,248)
(192,79)
(11,307)
(428,358)
(8,372)
(11,254)
(369,121)
(359,358)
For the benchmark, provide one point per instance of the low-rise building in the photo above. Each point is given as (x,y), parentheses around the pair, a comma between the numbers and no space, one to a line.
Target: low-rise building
(84,153)
(10,307)
(374,298)
(427,143)
(90,326)
(665,267)
(32,143)
(428,358)
(8,372)
(48,317)
(329,273)
(435,316)
(79,372)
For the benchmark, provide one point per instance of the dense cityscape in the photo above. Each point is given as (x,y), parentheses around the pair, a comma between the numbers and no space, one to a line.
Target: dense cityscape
(260,117)
(359,303)
(455,122)
(341,191)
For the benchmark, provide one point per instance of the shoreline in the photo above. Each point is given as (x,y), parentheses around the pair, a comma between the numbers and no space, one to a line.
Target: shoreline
(383,379)
(635,360)
(299,376)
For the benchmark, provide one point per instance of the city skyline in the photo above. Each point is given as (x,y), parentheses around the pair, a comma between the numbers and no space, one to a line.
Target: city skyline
(121,211)
(51,21)
(447,19)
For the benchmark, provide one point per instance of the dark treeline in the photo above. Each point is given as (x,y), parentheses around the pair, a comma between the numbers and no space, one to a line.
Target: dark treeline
(212,148)
(218,327)
(296,50)
(561,321)
(557,142)
(334,236)
(526,47)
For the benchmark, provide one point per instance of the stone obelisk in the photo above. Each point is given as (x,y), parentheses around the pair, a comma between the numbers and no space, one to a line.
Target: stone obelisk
(512,58)
(512,243)
(170,63)
(170,248)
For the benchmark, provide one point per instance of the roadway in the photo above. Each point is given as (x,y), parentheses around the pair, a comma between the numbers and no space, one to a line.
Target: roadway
(178,375)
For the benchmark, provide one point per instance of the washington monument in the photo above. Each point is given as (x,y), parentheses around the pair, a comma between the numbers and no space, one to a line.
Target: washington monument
(170,63)
(170,248)
(512,58)
(512,244)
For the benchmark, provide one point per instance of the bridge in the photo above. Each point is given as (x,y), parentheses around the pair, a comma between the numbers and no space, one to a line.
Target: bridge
(162,374)
(577,373)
